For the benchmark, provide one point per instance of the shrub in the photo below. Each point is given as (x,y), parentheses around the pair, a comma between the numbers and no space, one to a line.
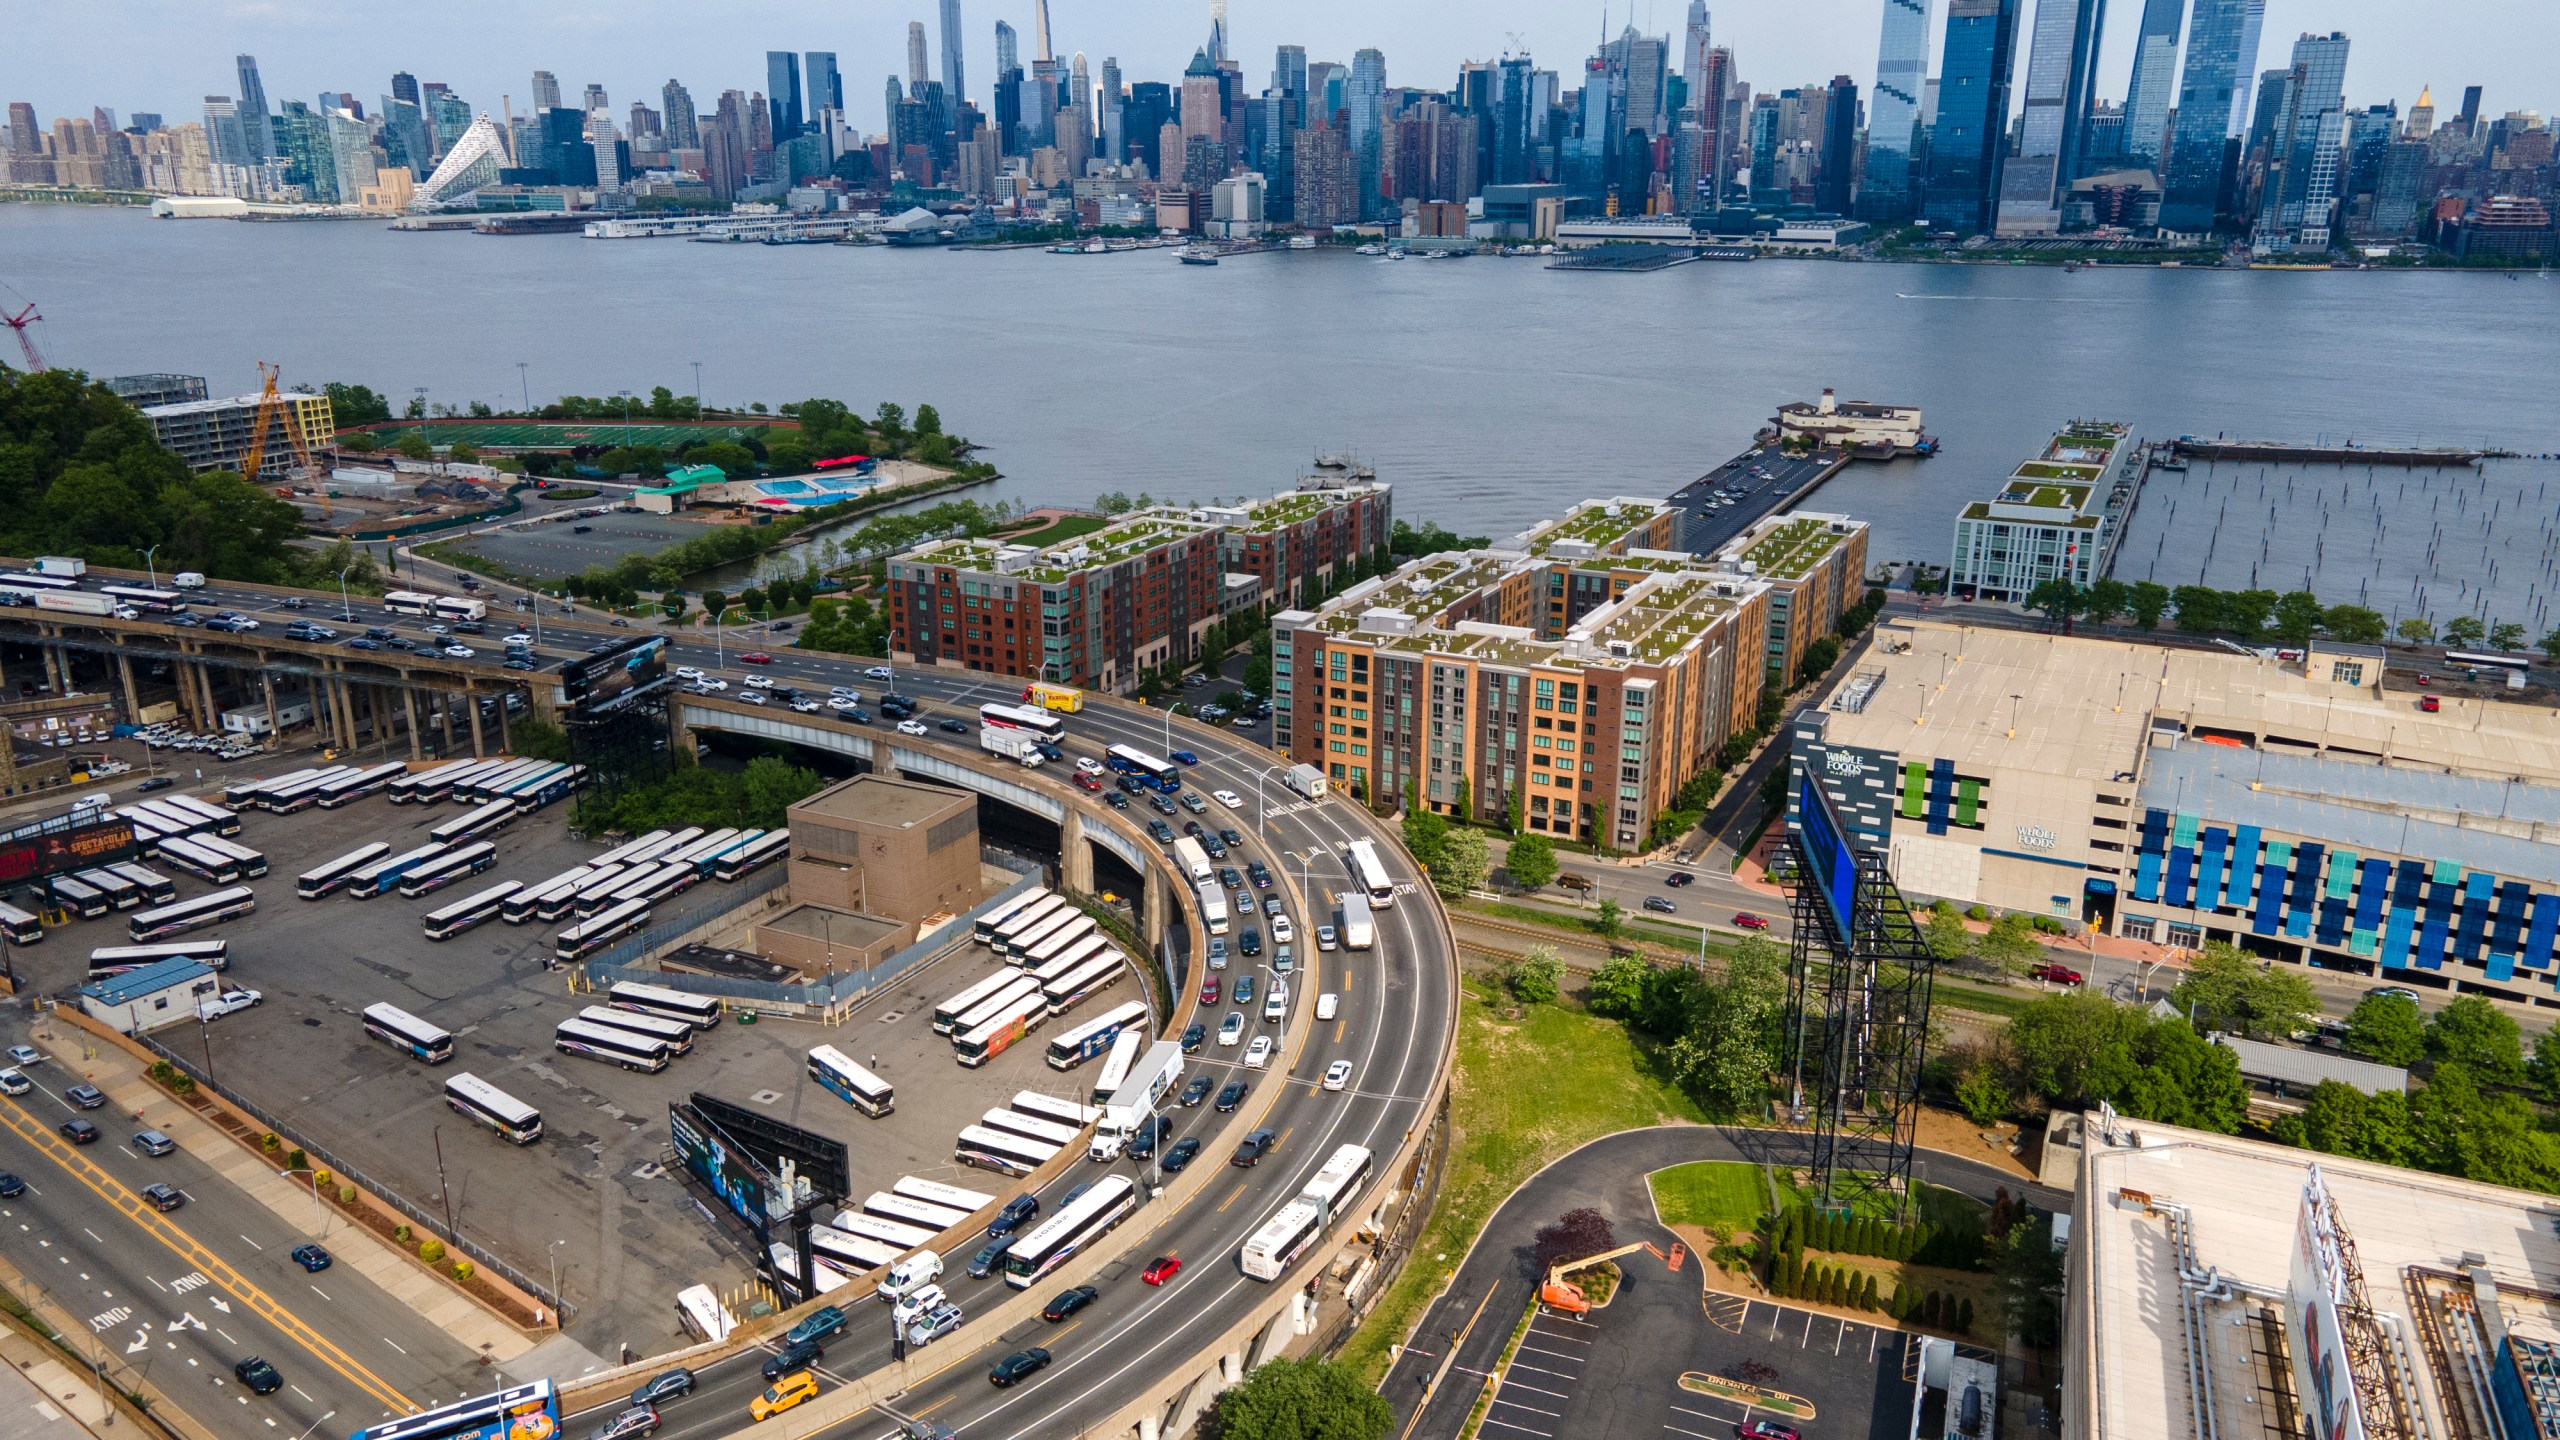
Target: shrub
(464,1270)
(1964,1316)
(183,1083)
(1867,1295)
(400,1233)
(295,1159)
(346,1194)
(431,1250)
(1976,912)
(161,1071)
(320,1177)
(269,1141)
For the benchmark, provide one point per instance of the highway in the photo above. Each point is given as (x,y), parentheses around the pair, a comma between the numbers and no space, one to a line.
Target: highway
(1396,1000)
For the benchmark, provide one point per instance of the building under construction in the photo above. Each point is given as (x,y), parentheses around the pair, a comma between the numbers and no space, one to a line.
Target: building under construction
(221,434)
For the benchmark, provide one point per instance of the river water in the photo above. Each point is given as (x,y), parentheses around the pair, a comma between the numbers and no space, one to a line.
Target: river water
(1490,392)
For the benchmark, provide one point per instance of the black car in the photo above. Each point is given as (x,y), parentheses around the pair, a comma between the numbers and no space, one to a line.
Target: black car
(1069,1302)
(1162,805)
(1193,829)
(1678,878)
(1231,840)
(156,782)
(989,1256)
(164,1198)
(1144,1143)
(1181,1153)
(956,727)
(1231,1095)
(259,1376)
(1017,1367)
(664,1388)
(1115,800)
(11,1187)
(1260,874)
(1213,847)
(892,697)
(1228,876)
(1194,1035)
(78,1132)
(1049,751)
(798,1355)
(1255,1146)
(1130,784)
(1021,1210)
(1249,944)
(1160,832)
(1196,1091)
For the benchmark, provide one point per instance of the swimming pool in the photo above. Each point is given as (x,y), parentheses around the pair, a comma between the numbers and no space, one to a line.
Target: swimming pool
(816,490)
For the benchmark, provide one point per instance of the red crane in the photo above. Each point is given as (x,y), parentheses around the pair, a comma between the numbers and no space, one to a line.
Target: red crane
(19,323)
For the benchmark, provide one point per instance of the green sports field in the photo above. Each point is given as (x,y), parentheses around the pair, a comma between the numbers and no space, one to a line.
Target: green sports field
(561,435)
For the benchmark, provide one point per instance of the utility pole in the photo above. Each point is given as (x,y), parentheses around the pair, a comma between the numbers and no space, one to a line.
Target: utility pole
(444,1190)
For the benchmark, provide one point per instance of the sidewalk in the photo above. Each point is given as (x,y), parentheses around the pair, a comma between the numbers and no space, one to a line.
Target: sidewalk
(117,1072)
(45,1399)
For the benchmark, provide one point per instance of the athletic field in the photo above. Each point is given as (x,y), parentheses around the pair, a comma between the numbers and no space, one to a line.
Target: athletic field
(561,435)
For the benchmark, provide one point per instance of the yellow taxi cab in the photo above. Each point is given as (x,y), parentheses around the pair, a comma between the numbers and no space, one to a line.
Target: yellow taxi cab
(790,1390)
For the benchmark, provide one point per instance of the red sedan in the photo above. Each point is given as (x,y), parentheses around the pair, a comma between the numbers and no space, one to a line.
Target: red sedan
(1087,782)
(755,657)
(2058,974)
(1209,991)
(1748,921)
(1164,1268)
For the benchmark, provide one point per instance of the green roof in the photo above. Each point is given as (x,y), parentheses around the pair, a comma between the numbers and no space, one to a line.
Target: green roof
(1791,550)
(1595,522)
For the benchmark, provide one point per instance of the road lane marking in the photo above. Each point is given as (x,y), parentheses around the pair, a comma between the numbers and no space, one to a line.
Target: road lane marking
(1233,1197)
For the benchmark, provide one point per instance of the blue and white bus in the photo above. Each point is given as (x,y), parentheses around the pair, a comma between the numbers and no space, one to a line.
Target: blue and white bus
(463,914)
(851,1083)
(530,1409)
(457,864)
(1156,772)
(386,873)
(348,789)
(403,1031)
(985,927)
(754,855)
(1096,1036)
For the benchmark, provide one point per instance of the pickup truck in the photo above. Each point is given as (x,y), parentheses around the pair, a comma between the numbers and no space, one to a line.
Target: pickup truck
(226,1002)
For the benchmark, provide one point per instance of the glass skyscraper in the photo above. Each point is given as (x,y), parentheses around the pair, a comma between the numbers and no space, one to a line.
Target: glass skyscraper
(2062,56)
(782,93)
(2155,79)
(2304,153)
(1893,110)
(1969,140)
(2191,188)
(255,130)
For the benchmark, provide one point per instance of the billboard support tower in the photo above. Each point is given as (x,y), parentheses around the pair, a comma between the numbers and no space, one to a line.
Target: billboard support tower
(616,715)
(1859,977)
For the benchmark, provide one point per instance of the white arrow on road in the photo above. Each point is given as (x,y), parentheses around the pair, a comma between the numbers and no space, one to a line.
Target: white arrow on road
(220,1304)
(141,1341)
(187,1321)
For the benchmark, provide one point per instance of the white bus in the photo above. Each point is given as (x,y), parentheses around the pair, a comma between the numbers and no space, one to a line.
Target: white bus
(294,797)
(443,607)
(1061,921)
(754,855)
(702,1012)
(428,787)
(851,1083)
(702,1315)
(1039,908)
(1057,1239)
(69,894)
(474,824)
(563,780)
(849,1254)
(444,869)
(1050,1107)
(403,789)
(1020,717)
(617,1047)
(589,936)
(663,880)
(18,926)
(1070,959)
(786,1269)
(348,789)
(1096,1036)
(150,602)
(619,853)
(385,873)
(995,1004)
(887,1232)
(1047,1132)
(1005,1154)
(947,1015)
(404,1031)
(709,845)
(993,1038)
(667,843)
(526,904)
(476,1099)
(122,894)
(1125,1049)
(157,888)
(1194,860)
(983,930)
(1057,943)
(603,878)
(676,1035)
(907,1210)
(165,920)
(1360,857)
(224,822)
(252,862)
(211,866)
(949,1197)
(492,784)
(474,910)
(116,959)
(1339,1181)
(1270,1250)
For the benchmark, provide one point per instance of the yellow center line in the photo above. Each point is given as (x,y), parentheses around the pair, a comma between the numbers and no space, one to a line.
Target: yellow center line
(1063,1329)
(1340,1026)
(167,1233)
(1232,1197)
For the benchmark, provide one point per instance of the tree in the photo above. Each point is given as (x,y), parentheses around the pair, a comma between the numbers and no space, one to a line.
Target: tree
(1577,1234)
(2464,631)
(1819,657)
(928,420)
(2199,609)
(2550,645)
(1946,936)
(1611,919)
(461,453)
(715,603)
(2354,624)
(1617,988)
(2472,1031)
(2059,599)
(2506,635)
(354,405)
(2387,1029)
(2147,602)
(753,600)
(2417,630)
(1299,1400)
(2298,616)
(1533,978)
(2029,1268)
(2010,945)
(1426,836)
(2227,989)
(1531,861)
(2246,612)
(414,446)
(1735,1030)
(1464,860)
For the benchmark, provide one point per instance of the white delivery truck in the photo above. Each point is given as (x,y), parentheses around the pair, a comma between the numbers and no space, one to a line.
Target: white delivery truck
(1213,906)
(61,567)
(1017,745)
(1194,860)
(1307,780)
(1141,1095)
(76,602)
(1358,932)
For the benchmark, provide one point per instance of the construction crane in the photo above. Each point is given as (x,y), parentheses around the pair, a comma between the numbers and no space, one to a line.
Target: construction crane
(272,410)
(18,323)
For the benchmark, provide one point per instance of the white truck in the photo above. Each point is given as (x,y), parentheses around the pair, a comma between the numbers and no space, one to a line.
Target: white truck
(61,567)
(1140,1096)
(1307,780)
(1194,860)
(76,602)
(1358,933)
(1213,906)
(188,580)
(1017,745)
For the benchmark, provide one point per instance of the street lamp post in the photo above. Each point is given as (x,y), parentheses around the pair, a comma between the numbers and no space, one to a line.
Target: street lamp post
(149,569)
(551,1252)
(346,605)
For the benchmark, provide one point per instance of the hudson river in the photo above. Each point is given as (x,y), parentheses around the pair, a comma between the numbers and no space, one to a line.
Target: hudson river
(1490,392)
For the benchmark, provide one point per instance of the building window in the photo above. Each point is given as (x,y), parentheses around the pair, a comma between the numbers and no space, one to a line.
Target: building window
(2139,927)
(2347,672)
(2185,936)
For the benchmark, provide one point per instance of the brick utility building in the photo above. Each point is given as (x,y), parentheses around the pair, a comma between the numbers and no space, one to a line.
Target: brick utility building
(1577,675)
(1815,567)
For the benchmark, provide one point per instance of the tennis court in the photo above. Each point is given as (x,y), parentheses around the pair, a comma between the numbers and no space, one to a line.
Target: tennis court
(561,435)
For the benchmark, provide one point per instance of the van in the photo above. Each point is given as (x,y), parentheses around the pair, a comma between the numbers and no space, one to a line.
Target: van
(187,580)
(1275,1006)
(1571,881)
(910,1275)
(1328,1005)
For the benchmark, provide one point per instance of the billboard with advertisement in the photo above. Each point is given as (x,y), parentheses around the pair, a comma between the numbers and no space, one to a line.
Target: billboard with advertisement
(32,856)
(1831,866)
(2315,1284)
(601,682)
(723,1167)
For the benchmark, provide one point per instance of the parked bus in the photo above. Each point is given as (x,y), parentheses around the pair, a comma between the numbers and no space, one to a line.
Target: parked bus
(934,1192)
(116,959)
(69,894)
(1048,1132)
(983,930)
(589,898)
(1073,957)
(1062,921)
(122,894)
(756,854)
(1062,1236)
(19,927)
(1269,1251)
(528,1409)
(1058,943)
(900,1209)
(491,780)
(707,857)
(148,601)
(947,1015)
(995,1005)
(429,786)
(245,792)
(885,1232)
(146,841)
(847,1253)
(463,914)
(543,789)
(589,936)
(1360,857)
(165,920)
(663,881)
(1029,916)
(991,1039)
(320,883)
(157,888)
(851,1083)
(2466,659)
(617,1047)
(403,1031)
(168,819)
(444,869)
(704,848)
(702,1315)
(294,797)
(1016,717)
(348,789)
(667,843)
(1005,1154)
(206,865)
(253,863)
(676,1035)
(1050,1107)
(1125,1050)
(702,1012)
(786,1274)
(1158,773)
(526,904)
(385,873)
(477,823)
(622,852)
(476,1099)
(1095,1037)
(224,822)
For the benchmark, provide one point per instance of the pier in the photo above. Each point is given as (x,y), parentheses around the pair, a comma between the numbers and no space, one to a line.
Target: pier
(2277,452)
(1730,499)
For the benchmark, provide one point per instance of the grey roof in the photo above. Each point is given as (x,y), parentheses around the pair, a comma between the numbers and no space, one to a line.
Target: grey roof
(2360,805)
(2261,1061)
(149,980)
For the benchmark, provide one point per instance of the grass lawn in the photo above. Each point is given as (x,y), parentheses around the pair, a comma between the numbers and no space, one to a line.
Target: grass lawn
(1727,1195)
(1524,1093)
(1066,527)
(2007,1004)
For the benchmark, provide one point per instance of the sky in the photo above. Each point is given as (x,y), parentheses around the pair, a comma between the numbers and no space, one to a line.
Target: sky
(166,55)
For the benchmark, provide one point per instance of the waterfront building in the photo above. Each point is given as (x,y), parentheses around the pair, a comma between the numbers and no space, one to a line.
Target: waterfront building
(684,132)
(2053,126)
(954,79)
(473,161)
(215,434)
(1865,427)
(2057,518)
(1815,566)
(1298,541)
(2305,147)
(1569,680)
(1235,205)
(2308,809)
(1326,180)
(1893,110)
(782,88)
(1364,131)
(1969,139)
(2196,177)
(2253,19)
(255,129)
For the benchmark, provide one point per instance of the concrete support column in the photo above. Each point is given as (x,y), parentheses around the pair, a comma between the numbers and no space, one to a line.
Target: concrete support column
(341,724)
(472,703)
(409,702)
(1194,1401)
(1231,1368)
(1268,1344)
(52,669)
(1158,902)
(132,698)
(505,745)
(444,722)
(212,707)
(1075,854)
(267,685)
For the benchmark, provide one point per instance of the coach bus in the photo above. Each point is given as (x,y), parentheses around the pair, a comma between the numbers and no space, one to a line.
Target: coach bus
(426,787)
(19,927)
(158,889)
(348,789)
(477,823)
(1360,857)
(1270,1250)
(851,1083)
(1095,1037)
(79,899)
(849,1254)
(1013,1155)
(1018,717)
(994,1005)
(622,852)
(702,1012)
(476,1099)
(403,1031)
(1158,773)
(947,1015)
(210,866)
(663,881)
(950,1197)
(886,1232)
(295,796)
(122,894)
(526,904)
(109,960)
(984,928)
(589,936)
(253,863)
(1031,916)
(149,602)
(754,855)
(1066,920)
(146,926)
(444,869)
(528,1409)
(674,1034)
(991,1039)
(542,789)
(905,1210)
(224,821)
(1050,1107)
(1058,944)
(1125,1051)
(463,914)
(386,873)
(589,898)
(667,843)
(1070,958)
(617,1047)
(1085,981)
(1047,1132)
(1059,1238)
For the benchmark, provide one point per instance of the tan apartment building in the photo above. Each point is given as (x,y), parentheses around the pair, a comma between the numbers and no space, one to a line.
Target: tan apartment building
(1815,567)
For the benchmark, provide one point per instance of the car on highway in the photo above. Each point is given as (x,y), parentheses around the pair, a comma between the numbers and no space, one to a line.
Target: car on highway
(152,1142)
(164,1197)
(458,652)
(1328,1005)
(1160,832)
(156,782)
(1678,878)
(628,1424)
(25,1055)
(11,1187)
(1259,873)
(1231,836)
(361,643)
(783,1394)
(1257,1056)
(953,727)
(1249,944)
(1083,781)
(81,1132)
(2400,992)
(806,707)
(1196,1091)
(757,682)
(794,1355)
(14,1082)
(2056,974)
(258,1375)
(311,1258)
(1230,1032)
(1326,939)
(824,1323)
(1019,1211)
(1660,905)
(878,672)
(663,1387)
(1283,960)
(1115,799)
(1231,1095)
(1017,1367)
(1185,757)
(1244,902)
(1161,1269)
(1069,1302)
(1283,929)
(1143,1144)
(751,697)
(1210,989)
(1192,802)
(1182,1153)
(916,1304)
(1253,1147)
(1160,803)
(1337,1074)
(989,1259)
(1745,920)
(1231,877)
(87,1097)
(755,657)
(912,727)
(1244,989)
(1194,1035)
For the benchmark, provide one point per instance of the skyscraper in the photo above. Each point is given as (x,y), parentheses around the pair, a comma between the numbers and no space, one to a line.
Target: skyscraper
(1893,111)
(1969,140)
(1365,100)
(954,88)
(1040,30)
(684,132)
(404,86)
(1647,63)
(1008,55)
(546,90)
(254,126)
(1839,148)
(1695,43)
(223,136)
(916,73)
(1217,32)
(782,91)
(2155,79)
(2191,185)
(2247,65)
(2304,152)
(2062,57)
(1114,139)
(826,87)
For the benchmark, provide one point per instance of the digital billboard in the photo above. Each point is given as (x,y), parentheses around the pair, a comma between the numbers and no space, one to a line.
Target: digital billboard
(31,856)
(2315,1283)
(721,1165)
(1831,867)
(600,682)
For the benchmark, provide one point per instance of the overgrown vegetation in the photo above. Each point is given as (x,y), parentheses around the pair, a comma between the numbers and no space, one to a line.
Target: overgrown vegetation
(621,582)
(2290,618)
(2483,1110)
(1720,1037)
(694,794)
(1298,1400)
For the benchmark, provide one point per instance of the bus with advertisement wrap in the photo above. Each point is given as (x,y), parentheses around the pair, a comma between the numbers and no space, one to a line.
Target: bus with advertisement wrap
(530,1411)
